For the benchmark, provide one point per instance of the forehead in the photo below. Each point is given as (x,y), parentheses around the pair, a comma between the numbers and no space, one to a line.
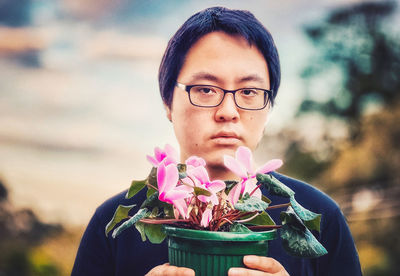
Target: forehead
(224,58)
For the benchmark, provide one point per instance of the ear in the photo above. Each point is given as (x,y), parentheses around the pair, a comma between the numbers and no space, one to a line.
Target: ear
(168,112)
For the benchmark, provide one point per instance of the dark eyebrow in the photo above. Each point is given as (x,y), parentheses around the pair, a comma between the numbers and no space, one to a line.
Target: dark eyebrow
(199,76)
(205,76)
(252,77)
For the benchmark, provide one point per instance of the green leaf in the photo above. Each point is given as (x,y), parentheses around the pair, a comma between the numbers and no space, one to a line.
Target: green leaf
(169,211)
(152,178)
(238,227)
(142,213)
(262,219)
(200,191)
(182,171)
(311,220)
(140,227)
(251,204)
(230,184)
(290,217)
(266,199)
(120,214)
(154,212)
(274,186)
(150,191)
(297,240)
(136,186)
(154,233)
(181,168)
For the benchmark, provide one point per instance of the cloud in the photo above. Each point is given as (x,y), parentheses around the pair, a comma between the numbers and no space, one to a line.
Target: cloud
(19,40)
(15,13)
(114,44)
(90,9)
(21,45)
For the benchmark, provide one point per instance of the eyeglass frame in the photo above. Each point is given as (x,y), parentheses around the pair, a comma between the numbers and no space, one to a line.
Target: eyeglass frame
(187,88)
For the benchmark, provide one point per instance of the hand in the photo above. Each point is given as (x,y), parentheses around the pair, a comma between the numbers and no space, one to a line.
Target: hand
(166,269)
(259,266)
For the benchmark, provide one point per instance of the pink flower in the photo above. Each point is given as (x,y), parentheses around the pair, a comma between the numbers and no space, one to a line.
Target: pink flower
(168,155)
(169,190)
(200,176)
(242,166)
(195,161)
(206,218)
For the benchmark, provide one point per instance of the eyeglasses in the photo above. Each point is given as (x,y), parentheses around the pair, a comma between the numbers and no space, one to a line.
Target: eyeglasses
(212,96)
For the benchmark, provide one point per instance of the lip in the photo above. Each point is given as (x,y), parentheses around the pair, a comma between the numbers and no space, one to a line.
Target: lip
(226,138)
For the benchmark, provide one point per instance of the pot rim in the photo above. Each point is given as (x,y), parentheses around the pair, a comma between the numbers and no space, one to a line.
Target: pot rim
(218,236)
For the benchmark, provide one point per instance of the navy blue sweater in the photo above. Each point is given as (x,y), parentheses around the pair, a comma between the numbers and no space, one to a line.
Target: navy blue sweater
(128,255)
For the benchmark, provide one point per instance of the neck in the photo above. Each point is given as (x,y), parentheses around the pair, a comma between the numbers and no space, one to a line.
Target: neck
(220,173)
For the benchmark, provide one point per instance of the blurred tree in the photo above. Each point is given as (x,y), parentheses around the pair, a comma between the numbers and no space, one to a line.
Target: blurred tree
(354,78)
(357,43)
(20,232)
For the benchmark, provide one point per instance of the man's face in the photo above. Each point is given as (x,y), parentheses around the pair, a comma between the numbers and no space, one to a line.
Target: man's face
(228,62)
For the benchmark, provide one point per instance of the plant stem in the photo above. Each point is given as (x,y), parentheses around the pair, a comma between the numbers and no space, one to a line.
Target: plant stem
(261,227)
(148,184)
(255,189)
(162,221)
(248,219)
(278,206)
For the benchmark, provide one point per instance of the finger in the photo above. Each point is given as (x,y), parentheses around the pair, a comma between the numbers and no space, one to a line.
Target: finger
(265,264)
(166,269)
(239,271)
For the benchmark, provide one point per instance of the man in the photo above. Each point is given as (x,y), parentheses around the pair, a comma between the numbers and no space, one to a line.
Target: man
(215,62)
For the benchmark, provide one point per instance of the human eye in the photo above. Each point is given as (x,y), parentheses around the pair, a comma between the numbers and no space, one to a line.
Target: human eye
(249,92)
(204,90)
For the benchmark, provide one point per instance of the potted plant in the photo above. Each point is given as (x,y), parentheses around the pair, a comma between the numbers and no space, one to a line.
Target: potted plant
(212,224)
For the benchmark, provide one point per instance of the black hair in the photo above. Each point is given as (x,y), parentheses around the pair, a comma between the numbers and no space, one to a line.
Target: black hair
(234,22)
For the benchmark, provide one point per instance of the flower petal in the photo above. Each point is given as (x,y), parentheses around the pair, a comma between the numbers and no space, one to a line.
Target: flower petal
(153,161)
(200,173)
(232,164)
(173,195)
(244,156)
(206,218)
(182,207)
(250,186)
(270,166)
(171,177)
(195,161)
(161,172)
(234,194)
(159,154)
(216,186)
(171,152)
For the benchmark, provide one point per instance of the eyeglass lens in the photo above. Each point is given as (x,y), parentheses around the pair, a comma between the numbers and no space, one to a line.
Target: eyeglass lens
(209,96)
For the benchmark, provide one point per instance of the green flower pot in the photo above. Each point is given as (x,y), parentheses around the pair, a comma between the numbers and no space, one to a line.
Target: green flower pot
(213,253)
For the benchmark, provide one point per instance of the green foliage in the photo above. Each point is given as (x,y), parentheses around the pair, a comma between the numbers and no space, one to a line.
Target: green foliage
(274,186)
(297,240)
(135,187)
(238,227)
(266,199)
(153,232)
(200,191)
(120,214)
(310,219)
(142,213)
(250,204)
(262,219)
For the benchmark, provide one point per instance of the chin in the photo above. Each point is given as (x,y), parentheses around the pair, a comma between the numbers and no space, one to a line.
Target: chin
(216,159)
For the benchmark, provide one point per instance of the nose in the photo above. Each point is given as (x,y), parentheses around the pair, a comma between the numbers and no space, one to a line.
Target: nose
(227,110)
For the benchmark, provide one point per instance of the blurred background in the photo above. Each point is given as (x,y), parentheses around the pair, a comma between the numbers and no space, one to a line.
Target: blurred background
(80,109)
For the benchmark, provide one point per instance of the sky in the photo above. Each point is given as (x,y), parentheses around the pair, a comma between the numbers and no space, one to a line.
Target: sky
(79,101)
